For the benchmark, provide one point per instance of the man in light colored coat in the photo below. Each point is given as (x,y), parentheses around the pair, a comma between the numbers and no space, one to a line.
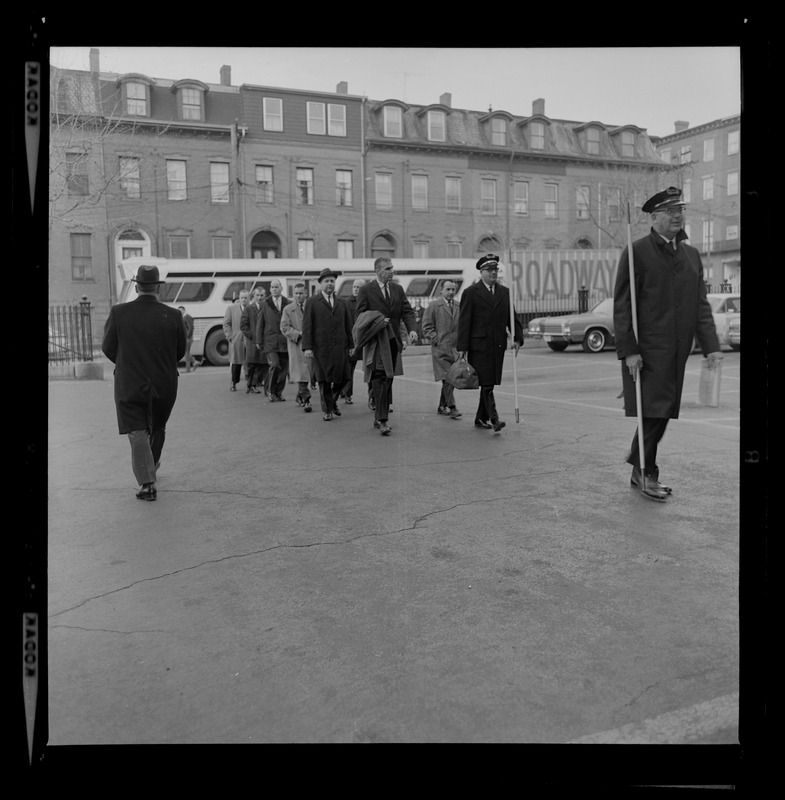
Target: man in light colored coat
(440,328)
(292,329)
(234,336)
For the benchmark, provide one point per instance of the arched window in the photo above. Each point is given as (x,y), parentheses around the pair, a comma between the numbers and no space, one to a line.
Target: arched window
(383,244)
(490,244)
(265,244)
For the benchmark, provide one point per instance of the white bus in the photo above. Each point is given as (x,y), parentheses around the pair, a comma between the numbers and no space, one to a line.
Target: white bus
(206,286)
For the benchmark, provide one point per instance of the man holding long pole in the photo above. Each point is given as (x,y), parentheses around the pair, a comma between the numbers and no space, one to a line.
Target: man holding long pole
(660,307)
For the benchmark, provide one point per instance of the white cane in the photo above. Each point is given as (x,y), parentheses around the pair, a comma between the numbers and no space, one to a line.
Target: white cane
(635,375)
(512,338)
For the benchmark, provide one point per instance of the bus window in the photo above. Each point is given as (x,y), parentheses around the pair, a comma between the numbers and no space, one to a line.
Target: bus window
(195,292)
(235,287)
(420,287)
(168,293)
(437,290)
(263,285)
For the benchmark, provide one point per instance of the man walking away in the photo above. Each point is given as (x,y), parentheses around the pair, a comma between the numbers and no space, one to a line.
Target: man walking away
(440,328)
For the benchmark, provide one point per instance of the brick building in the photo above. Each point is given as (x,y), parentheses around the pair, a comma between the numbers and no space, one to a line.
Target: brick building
(179,168)
(706,161)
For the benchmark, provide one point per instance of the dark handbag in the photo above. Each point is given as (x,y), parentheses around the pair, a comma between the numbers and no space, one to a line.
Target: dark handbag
(462,375)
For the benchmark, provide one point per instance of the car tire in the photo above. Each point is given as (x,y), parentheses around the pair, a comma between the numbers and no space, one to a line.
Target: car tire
(216,348)
(558,346)
(595,340)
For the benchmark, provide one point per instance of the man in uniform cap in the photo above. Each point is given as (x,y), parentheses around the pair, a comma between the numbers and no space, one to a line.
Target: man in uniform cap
(672,311)
(144,339)
(483,323)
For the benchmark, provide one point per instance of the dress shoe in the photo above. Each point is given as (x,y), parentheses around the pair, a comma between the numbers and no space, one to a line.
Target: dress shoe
(255,390)
(454,413)
(307,407)
(372,405)
(650,487)
(478,423)
(327,416)
(385,429)
(443,410)
(337,411)
(348,400)
(498,425)
(248,390)
(298,400)
(233,387)
(147,492)
(280,398)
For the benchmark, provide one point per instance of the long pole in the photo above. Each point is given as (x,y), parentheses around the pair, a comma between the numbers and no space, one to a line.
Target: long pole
(634,309)
(512,339)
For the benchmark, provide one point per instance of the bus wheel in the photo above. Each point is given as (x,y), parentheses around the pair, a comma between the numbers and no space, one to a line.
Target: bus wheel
(216,348)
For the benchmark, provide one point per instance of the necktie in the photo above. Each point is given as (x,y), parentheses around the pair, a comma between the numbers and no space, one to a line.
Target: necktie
(386,293)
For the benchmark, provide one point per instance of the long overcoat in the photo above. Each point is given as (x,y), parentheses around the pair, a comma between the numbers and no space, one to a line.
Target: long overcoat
(328,332)
(268,327)
(672,310)
(292,329)
(483,322)
(233,333)
(440,328)
(144,339)
(248,322)
(398,310)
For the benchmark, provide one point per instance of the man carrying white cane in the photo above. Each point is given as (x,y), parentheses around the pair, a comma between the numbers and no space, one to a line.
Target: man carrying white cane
(656,317)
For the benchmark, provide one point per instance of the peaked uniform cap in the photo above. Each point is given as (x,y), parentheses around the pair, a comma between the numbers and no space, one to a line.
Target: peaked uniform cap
(665,199)
(488,261)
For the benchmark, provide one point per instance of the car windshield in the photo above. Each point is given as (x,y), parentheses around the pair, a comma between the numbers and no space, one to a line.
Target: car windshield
(724,304)
(604,307)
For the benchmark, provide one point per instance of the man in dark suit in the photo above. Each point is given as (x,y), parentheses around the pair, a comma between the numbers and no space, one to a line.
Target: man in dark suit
(351,304)
(483,324)
(387,297)
(671,311)
(327,338)
(144,339)
(254,359)
(272,341)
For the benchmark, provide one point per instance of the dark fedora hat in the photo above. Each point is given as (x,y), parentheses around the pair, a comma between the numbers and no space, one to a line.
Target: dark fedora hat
(147,274)
(326,273)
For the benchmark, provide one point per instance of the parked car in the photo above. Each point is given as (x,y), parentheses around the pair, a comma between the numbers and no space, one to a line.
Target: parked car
(593,329)
(734,332)
(726,310)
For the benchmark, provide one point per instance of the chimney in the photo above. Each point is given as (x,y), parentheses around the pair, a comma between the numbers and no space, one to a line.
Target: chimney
(94,60)
(226,75)
(446,100)
(342,88)
(681,125)
(538,107)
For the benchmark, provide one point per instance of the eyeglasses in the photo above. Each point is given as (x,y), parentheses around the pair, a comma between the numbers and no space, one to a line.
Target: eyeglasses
(677,211)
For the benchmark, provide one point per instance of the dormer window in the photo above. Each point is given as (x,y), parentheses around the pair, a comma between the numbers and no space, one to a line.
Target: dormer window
(499,131)
(392,119)
(627,144)
(437,126)
(593,141)
(135,94)
(190,99)
(537,136)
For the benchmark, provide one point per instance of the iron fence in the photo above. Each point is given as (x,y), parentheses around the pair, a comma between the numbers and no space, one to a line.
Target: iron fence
(70,333)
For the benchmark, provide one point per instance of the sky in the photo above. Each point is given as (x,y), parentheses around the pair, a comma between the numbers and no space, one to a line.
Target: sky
(651,87)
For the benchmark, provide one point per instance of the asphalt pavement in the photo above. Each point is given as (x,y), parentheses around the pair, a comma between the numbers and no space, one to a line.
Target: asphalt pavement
(307,581)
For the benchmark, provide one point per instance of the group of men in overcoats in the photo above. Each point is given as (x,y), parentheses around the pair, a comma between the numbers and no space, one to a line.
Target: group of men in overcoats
(656,319)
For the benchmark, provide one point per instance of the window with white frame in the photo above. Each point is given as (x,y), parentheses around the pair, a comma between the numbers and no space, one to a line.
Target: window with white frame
(733,142)
(551,203)
(499,131)
(130,181)
(345,248)
(191,103)
(420,192)
(437,126)
(593,141)
(304,186)
(264,184)
(520,197)
(488,195)
(685,154)
(419,249)
(452,193)
(222,246)
(383,190)
(219,182)
(81,257)
(272,113)
(305,248)
(343,187)
(336,119)
(316,119)
(392,117)
(732,232)
(179,246)
(582,198)
(627,144)
(708,149)
(708,187)
(732,183)
(136,99)
(708,234)
(176,185)
(614,204)
(537,136)
(453,250)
